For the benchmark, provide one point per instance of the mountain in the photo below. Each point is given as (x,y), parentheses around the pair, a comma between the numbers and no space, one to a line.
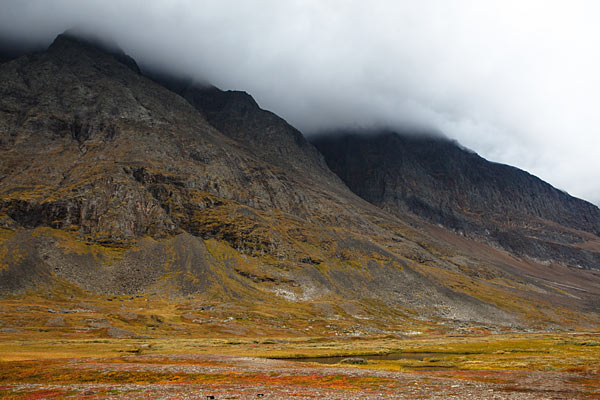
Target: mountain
(114,182)
(437,179)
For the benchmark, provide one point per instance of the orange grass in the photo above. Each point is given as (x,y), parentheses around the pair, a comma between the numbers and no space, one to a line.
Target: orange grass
(54,372)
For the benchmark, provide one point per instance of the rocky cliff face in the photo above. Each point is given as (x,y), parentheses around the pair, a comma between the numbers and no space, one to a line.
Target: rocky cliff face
(437,179)
(116,183)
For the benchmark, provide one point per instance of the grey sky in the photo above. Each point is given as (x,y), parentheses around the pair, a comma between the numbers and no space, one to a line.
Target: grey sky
(516,81)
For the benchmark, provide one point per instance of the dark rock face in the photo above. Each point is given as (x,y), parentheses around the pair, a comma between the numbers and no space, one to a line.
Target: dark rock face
(438,180)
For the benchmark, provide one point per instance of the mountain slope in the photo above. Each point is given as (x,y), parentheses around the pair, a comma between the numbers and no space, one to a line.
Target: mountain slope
(438,180)
(237,115)
(112,183)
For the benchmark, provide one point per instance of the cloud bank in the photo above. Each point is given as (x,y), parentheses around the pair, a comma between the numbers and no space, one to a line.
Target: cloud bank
(515,81)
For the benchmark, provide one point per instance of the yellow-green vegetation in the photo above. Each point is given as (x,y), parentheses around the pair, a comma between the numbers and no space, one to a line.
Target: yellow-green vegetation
(69,243)
(6,233)
(27,192)
(61,334)
(70,322)
(576,352)
(538,312)
(64,311)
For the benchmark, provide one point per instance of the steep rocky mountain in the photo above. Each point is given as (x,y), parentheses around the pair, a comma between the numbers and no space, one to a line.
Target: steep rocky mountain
(446,184)
(112,182)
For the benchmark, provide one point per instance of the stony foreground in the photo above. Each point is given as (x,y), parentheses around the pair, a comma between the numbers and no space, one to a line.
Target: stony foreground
(234,377)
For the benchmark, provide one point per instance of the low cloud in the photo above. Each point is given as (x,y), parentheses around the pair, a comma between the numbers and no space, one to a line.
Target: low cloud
(515,81)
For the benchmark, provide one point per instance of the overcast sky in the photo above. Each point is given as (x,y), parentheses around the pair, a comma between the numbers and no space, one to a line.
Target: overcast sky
(516,81)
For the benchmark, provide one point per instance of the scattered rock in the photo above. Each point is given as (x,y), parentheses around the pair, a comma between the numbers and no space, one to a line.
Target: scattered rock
(189,316)
(56,322)
(88,307)
(157,318)
(128,316)
(98,323)
(119,333)
(10,330)
(76,310)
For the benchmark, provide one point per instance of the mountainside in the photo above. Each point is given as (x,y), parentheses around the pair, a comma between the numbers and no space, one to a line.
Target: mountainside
(114,183)
(237,115)
(438,180)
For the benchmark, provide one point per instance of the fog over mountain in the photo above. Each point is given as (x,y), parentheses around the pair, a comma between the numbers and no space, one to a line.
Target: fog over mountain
(515,81)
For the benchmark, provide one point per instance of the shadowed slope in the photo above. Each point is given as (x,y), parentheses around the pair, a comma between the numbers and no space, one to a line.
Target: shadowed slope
(440,181)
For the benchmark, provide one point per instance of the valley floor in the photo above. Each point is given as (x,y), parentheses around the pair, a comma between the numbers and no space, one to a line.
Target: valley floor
(66,344)
(506,366)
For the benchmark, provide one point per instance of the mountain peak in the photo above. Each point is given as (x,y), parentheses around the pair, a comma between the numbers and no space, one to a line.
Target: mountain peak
(78,40)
